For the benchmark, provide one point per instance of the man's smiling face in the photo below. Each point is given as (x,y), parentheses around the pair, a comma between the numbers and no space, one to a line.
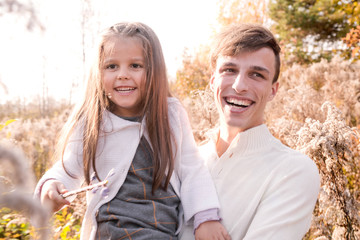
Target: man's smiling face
(242,86)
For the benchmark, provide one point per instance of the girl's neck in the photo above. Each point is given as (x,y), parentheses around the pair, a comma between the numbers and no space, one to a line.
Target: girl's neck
(132,119)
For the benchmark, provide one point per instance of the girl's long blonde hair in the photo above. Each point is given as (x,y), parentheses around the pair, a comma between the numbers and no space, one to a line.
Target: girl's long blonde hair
(89,111)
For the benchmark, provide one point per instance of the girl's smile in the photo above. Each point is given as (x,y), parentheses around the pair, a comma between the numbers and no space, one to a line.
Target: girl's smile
(125,90)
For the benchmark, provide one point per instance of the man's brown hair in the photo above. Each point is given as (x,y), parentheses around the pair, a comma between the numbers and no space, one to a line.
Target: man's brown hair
(238,38)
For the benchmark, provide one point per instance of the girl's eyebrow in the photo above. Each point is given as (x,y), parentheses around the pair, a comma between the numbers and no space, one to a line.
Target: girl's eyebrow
(141,59)
(107,60)
(138,59)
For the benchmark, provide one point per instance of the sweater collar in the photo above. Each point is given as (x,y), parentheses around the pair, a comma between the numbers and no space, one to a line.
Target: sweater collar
(251,140)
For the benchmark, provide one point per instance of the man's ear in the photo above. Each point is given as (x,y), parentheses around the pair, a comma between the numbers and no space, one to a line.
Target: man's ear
(274,89)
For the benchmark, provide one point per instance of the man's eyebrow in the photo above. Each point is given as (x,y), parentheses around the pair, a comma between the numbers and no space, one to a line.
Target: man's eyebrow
(258,68)
(228,64)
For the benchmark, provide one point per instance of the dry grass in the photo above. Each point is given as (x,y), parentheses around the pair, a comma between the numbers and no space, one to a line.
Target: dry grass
(16,186)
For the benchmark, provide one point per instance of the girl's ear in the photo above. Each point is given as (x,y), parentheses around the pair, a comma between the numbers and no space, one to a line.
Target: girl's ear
(212,79)
(274,90)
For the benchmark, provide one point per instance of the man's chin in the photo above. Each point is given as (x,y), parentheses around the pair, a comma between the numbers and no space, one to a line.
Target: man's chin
(236,123)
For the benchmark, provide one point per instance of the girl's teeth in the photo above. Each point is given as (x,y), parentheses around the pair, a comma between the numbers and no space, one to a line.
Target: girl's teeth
(124,89)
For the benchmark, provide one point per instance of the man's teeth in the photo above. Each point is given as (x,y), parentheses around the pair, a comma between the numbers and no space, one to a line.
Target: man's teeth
(124,89)
(238,102)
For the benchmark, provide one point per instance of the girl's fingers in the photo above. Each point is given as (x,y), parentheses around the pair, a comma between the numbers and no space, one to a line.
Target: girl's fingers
(51,197)
(62,189)
(225,234)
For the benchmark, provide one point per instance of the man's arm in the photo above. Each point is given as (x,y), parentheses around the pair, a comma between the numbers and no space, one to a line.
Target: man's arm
(286,208)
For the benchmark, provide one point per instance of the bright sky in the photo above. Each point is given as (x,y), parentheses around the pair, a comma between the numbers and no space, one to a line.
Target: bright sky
(30,60)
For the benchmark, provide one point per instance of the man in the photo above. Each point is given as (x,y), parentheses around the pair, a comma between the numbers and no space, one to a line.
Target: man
(266,190)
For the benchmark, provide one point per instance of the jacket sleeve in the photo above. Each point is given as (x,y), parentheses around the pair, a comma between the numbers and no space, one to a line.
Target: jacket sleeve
(197,191)
(286,208)
(73,164)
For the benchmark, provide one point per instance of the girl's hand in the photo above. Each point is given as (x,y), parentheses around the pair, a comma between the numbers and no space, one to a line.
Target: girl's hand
(50,195)
(211,230)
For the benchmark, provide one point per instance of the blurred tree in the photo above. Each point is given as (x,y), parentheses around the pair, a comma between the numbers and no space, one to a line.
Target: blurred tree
(194,74)
(232,11)
(313,29)
(352,40)
(87,26)
(23,10)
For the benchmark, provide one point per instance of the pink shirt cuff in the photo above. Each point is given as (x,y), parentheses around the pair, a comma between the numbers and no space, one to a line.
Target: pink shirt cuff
(206,215)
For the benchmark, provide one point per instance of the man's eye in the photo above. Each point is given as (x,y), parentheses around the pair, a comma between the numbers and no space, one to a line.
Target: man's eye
(111,66)
(258,75)
(228,70)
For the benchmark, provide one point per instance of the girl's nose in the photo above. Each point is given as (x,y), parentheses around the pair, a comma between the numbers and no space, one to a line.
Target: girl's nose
(240,83)
(123,75)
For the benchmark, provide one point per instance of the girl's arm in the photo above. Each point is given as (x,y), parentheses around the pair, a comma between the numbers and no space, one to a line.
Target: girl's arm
(198,193)
(197,190)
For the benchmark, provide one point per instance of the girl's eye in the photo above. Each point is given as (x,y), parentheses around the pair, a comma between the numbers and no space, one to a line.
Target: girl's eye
(111,66)
(136,65)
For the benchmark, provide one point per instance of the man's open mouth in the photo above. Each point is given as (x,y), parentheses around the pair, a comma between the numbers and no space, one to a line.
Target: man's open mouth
(238,102)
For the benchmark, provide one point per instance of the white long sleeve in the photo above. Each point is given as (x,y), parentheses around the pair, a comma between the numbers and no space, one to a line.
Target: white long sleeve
(266,190)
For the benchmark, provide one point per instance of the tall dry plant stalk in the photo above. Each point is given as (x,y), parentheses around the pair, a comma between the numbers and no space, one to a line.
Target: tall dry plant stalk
(16,186)
(329,145)
(37,138)
(202,112)
(303,89)
(317,111)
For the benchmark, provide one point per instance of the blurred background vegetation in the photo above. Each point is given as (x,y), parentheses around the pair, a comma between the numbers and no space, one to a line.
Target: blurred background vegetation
(316,111)
(308,32)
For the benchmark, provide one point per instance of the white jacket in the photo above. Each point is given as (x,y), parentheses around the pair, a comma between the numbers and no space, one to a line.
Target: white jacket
(117,145)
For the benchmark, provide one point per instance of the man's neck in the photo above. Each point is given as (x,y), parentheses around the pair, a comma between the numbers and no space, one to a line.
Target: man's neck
(225,137)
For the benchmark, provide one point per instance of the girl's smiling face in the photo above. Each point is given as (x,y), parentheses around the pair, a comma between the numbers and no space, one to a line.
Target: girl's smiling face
(124,73)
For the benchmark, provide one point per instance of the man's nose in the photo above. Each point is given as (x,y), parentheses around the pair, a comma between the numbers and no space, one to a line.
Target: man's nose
(240,83)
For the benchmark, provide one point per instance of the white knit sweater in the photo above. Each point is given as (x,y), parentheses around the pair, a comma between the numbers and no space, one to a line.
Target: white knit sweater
(116,148)
(266,190)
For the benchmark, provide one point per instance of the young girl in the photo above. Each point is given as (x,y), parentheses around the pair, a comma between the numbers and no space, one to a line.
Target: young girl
(129,123)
